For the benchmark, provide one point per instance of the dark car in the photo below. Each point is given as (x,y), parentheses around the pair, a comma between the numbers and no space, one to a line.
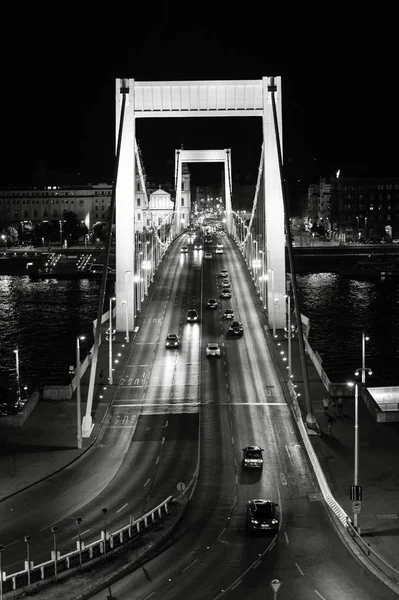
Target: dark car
(226,293)
(228,313)
(236,328)
(252,457)
(262,516)
(212,303)
(172,340)
(223,273)
(192,316)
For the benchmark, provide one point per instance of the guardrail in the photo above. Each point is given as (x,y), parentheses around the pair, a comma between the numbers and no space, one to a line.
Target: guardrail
(382,568)
(34,576)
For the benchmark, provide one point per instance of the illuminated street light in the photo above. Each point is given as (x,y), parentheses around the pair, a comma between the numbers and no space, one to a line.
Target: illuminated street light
(78,522)
(356,465)
(78,399)
(54,531)
(27,540)
(111,338)
(363,368)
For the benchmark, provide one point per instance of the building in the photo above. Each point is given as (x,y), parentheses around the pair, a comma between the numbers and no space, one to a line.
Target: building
(365,208)
(90,202)
(355,209)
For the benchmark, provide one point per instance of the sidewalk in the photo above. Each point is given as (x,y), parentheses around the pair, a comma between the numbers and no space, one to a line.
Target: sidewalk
(47,441)
(378,458)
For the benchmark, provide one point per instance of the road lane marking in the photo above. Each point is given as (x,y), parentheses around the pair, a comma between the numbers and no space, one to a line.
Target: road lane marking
(147,482)
(190,565)
(286,537)
(122,507)
(299,569)
(320,596)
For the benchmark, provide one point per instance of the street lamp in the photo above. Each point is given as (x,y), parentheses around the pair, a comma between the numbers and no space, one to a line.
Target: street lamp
(363,368)
(104,514)
(78,400)
(273,301)
(27,539)
(126,305)
(356,465)
(111,338)
(289,334)
(1,573)
(17,372)
(78,522)
(4,240)
(54,531)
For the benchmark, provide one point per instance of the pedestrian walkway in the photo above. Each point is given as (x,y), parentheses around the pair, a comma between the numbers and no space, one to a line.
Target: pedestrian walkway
(378,457)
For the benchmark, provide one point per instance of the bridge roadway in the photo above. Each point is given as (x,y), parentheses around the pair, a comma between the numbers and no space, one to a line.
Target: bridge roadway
(163,400)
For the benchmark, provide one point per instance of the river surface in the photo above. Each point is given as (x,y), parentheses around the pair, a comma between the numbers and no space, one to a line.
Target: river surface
(43,318)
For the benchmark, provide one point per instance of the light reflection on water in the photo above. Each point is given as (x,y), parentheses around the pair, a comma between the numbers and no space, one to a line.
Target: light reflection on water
(43,318)
(339,310)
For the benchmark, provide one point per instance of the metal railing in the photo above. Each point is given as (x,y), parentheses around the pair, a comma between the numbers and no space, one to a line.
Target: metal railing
(85,555)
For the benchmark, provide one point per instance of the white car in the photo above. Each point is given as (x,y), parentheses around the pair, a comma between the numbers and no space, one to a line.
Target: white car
(184,249)
(219,251)
(208,255)
(212,349)
(225,283)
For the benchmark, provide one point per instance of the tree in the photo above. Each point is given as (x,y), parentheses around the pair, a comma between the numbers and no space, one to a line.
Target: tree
(73,229)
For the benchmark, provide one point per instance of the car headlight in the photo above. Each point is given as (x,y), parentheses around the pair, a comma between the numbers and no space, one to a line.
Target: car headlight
(274,522)
(254,522)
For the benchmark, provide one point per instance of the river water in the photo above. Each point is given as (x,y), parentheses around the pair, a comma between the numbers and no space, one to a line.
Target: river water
(43,318)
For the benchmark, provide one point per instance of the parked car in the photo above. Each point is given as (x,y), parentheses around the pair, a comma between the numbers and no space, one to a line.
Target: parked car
(262,516)
(172,340)
(212,349)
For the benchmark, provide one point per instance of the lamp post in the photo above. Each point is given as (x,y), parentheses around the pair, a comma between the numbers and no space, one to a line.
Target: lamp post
(27,539)
(127,273)
(110,340)
(60,233)
(78,400)
(1,573)
(17,372)
(78,522)
(54,532)
(363,368)
(4,240)
(255,262)
(104,514)
(356,465)
(274,302)
(289,333)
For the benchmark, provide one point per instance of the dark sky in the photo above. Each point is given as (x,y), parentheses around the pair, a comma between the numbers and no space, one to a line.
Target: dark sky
(340,99)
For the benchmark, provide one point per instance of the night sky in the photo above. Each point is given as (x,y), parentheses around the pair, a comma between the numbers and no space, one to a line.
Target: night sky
(339,73)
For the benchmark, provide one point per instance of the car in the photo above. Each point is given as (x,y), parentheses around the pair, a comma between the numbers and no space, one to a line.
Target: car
(197,246)
(223,273)
(219,246)
(212,349)
(184,249)
(221,233)
(226,293)
(208,241)
(262,516)
(228,313)
(212,303)
(208,255)
(172,340)
(252,457)
(192,316)
(219,251)
(236,328)
(225,283)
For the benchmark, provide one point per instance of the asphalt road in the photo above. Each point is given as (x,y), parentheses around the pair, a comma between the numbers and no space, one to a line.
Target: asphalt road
(242,403)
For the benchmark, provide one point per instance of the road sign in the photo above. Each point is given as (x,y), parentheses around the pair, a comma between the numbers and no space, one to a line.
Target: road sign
(275,585)
(356,506)
(356,492)
(181,486)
